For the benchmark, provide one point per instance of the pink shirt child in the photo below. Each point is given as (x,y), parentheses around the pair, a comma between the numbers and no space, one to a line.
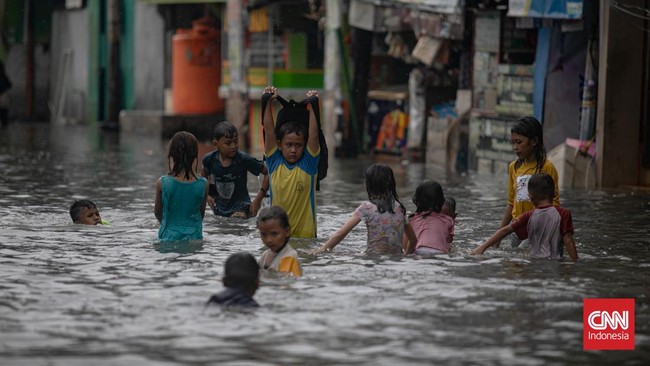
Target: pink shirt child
(434,231)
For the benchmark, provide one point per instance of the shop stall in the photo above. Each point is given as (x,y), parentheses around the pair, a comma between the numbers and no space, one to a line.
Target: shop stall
(283,48)
(410,64)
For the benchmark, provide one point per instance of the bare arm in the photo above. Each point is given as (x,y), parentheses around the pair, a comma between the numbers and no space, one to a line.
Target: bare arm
(340,234)
(205,199)
(412,239)
(270,140)
(264,188)
(157,209)
(496,238)
(507,216)
(265,179)
(570,246)
(505,221)
(312,141)
(204,173)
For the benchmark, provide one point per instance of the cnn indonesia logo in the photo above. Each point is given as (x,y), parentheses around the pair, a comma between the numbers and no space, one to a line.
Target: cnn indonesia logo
(608,324)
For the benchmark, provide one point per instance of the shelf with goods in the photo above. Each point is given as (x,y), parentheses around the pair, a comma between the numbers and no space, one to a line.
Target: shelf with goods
(280,51)
(502,90)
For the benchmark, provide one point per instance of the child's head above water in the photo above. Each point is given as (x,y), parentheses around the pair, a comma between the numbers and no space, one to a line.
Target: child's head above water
(528,141)
(242,271)
(183,154)
(380,186)
(85,212)
(449,208)
(541,188)
(292,139)
(273,224)
(428,196)
(226,139)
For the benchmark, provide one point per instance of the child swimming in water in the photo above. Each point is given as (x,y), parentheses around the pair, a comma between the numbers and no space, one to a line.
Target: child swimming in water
(85,212)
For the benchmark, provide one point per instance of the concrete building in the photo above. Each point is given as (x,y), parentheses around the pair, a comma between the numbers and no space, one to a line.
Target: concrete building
(58,58)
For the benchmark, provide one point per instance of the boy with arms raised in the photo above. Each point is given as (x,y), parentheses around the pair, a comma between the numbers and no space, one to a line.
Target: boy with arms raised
(292,157)
(226,169)
(549,228)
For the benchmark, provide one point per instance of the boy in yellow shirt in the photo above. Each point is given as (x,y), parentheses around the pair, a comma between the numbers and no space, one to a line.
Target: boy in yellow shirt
(273,224)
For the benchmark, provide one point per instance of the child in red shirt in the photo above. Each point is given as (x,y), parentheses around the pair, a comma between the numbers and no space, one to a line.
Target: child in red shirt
(549,228)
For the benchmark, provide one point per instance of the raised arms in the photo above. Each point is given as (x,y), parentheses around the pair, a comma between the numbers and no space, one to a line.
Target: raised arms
(312,141)
(270,140)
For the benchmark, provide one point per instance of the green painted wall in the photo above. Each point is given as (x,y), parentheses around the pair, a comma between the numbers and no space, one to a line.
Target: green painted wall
(98,59)
(14,21)
(127,54)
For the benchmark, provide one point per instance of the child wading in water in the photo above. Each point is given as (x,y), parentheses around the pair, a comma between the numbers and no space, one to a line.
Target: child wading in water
(227,168)
(293,173)
(528,145)
(549,228)
(383,213)
(181,195)
(241,279)
(434,230)
(273,224)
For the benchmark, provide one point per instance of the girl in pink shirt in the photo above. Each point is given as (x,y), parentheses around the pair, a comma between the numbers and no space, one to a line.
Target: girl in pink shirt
(433,229)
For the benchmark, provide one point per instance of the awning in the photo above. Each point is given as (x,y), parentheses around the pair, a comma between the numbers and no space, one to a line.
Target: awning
(171,2)
(433,6)
(556,9)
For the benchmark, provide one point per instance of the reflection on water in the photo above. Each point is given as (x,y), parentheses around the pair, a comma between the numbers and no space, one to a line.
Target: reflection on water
(112,295)
(180,247)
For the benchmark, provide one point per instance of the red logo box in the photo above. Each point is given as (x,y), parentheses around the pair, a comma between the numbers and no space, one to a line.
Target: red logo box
(608,324)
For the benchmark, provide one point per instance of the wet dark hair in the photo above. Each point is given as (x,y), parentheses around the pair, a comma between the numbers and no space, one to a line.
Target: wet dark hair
(183,148)
(224,129)
(77,206)
(531,128)
(241,271)
(380,185)
(428,197)
(541,186)
(273,213)
(292,127)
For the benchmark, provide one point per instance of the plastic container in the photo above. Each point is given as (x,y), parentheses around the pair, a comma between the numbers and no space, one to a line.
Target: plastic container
(196,69)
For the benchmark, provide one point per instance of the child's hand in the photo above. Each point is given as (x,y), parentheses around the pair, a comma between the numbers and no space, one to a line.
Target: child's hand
(255,205)
(316,251)
(271,90)
(477,250)
(312,93)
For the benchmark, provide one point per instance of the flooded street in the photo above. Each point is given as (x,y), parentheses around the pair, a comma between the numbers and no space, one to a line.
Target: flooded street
(110,295)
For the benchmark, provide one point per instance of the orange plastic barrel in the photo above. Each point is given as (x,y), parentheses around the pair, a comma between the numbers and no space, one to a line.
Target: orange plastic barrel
(196,69)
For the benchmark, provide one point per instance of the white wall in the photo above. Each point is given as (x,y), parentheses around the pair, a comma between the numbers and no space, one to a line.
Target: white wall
(69,35)
(149,57)
(16,71)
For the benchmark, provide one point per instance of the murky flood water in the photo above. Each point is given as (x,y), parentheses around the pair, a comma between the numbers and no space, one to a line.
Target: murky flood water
(77,295)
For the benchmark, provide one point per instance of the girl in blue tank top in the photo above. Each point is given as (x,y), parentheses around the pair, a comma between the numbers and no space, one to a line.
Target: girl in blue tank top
(181,194)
